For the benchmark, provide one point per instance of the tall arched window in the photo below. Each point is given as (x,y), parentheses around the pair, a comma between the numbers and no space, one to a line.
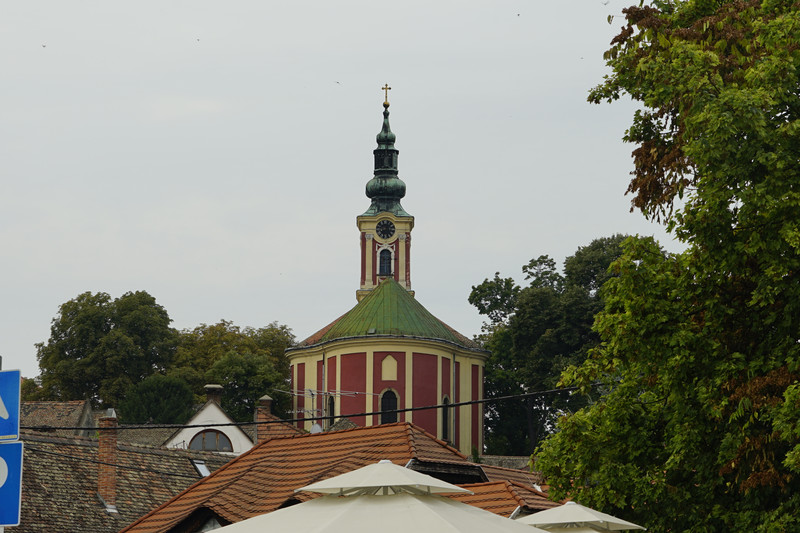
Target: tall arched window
(385,263)
(211,440)
(388,407)
(446,419)
(331,411)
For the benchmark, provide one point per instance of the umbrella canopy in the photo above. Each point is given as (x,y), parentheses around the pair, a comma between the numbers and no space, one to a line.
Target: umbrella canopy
(395,513)
(403,502)
(383,477)
(574,517)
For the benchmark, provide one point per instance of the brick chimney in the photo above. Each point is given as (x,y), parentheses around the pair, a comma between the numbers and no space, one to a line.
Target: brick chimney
(107,456)
(263,413)
(214,392)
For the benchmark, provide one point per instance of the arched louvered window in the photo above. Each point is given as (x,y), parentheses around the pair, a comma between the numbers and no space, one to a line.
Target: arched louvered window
(385,263)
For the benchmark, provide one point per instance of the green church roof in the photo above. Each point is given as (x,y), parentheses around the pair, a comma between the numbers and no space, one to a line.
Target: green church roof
(389,310)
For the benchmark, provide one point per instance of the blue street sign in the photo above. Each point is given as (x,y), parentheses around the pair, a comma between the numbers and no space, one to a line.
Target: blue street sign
(9,404)
(10,483)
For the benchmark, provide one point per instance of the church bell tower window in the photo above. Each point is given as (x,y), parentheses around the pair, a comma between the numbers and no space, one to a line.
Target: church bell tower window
(385,263)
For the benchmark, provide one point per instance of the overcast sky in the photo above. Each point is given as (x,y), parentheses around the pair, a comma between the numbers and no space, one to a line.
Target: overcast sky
(214,154)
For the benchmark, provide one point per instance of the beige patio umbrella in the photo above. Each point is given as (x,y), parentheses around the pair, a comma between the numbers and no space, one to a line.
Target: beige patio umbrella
(575,518)
(382,497)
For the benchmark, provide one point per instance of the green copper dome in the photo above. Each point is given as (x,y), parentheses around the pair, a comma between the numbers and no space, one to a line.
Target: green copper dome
(389,310)
(385,189)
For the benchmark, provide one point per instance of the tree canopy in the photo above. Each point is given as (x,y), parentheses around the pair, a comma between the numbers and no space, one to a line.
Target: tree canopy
(122,353)
(534,333)
(158,399)
(99,347)
(699,426)
(248,362)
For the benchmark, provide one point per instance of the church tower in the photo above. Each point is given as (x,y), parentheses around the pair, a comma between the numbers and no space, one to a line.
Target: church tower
(388,359)
(385,228)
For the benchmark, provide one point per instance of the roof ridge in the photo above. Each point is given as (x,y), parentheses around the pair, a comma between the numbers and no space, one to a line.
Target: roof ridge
(412,442)
(56,439)
(518,485)
(512,490)
(440,441)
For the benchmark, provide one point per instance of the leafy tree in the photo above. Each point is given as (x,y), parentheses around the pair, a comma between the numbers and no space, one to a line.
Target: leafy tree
(30,391)
(534,333)
(247,362)
(158,399)
(99,347)
(246,377)
(699,429)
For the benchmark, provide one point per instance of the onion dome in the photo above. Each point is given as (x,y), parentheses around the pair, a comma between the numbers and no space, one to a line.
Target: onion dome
(386,189)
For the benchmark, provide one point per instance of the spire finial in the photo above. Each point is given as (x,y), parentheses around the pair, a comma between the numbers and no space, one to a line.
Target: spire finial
(386,90)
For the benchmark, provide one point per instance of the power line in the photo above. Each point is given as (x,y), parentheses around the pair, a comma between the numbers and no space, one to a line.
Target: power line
(305,419)
(36,449)
(29,448)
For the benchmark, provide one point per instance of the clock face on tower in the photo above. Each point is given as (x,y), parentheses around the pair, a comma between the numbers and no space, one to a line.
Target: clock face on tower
(384,229)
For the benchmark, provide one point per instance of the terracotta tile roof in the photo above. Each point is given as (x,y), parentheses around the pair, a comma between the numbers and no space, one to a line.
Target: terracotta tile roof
(503,497)
(388,310)
(277,429)
(264,478)
(523,477)
(59,483)
(145,436)
(71,414)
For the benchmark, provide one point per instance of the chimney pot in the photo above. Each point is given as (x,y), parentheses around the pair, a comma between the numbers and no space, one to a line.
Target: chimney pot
(263,413)
(214,392)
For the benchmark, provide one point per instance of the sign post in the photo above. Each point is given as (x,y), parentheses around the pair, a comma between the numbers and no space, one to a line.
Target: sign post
(10,483)
(10,449)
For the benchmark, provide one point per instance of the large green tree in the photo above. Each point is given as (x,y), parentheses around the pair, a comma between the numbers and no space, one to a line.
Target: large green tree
(248,362)
(699,429)
(158,399)
(533,333)
(99,347)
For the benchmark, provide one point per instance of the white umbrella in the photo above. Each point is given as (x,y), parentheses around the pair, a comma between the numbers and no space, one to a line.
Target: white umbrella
(382,477)
(396,506)
(575,518)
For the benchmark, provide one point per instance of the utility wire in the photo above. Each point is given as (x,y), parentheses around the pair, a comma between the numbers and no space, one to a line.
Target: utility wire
(36,449)
(304,419)
(29,448)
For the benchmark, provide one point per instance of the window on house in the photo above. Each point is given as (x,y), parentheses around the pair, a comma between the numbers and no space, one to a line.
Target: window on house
(385,263)
(388,407)
(201,467)
(211,440)
(331,411)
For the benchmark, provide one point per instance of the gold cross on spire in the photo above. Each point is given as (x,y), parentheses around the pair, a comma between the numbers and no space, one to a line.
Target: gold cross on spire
(386,90)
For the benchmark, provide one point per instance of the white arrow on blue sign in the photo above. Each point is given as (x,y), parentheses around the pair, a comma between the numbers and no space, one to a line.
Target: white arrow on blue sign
(10,483)
(9,404)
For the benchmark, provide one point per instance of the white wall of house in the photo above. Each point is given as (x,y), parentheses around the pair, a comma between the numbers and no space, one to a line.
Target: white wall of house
(209,415)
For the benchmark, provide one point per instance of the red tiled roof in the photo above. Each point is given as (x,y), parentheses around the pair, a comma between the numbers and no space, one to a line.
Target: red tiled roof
(523,477)
(278,428)
(71,414)
(503,497)
(60,483)
(264,478)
